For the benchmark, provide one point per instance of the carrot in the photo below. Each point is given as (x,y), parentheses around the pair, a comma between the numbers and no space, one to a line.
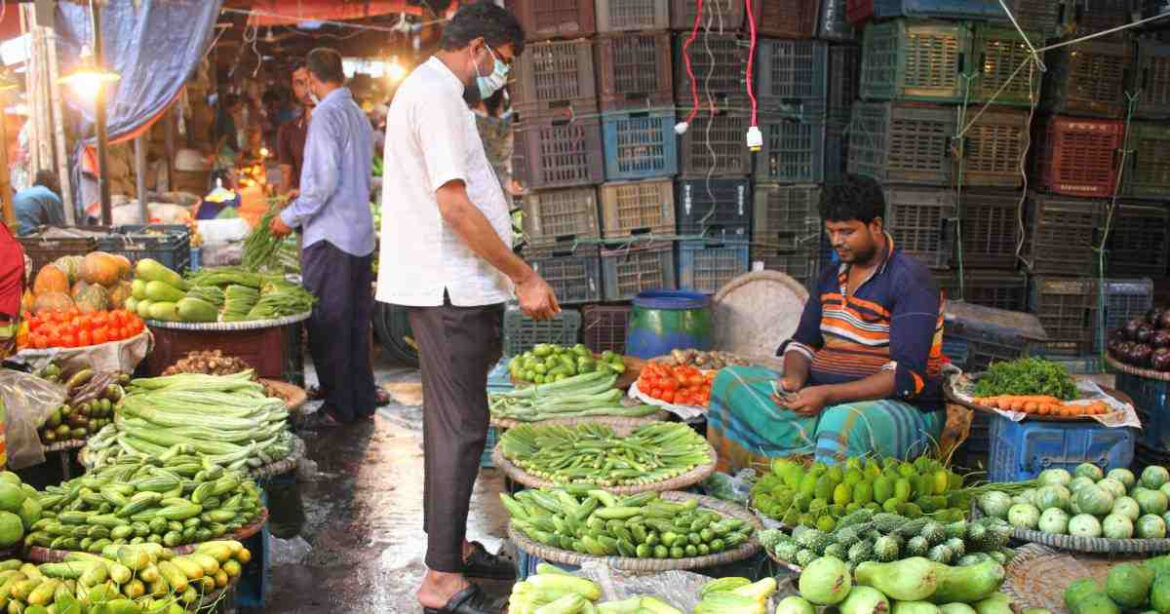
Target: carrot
(1031,406)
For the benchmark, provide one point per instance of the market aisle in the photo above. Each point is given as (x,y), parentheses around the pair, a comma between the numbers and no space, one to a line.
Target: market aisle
(362,514)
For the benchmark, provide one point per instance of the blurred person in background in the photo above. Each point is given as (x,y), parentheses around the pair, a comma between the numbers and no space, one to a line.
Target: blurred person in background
(39,205)
(290,137)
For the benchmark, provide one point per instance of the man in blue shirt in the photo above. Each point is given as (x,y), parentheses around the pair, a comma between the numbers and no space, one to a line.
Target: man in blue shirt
(39,205)
(333,210)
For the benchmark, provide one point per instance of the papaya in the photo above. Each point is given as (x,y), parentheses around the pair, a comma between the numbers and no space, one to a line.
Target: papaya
(94,298)
(125,269)
(1094,603)
(865,600)
(912,579)
(11,529)
(77,288)
(50,279)
(51,302)
(71,265)
(100,268)
(968,584)
(1129,585)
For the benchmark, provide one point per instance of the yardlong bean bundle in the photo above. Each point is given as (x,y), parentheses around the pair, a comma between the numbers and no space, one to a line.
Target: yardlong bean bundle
(593,453)
(590,394)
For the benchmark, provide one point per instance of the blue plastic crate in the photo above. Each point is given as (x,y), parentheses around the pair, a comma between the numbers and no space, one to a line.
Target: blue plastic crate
(794,77)
(1021,450)
(526,565)
(794,150)
(1151,399)
(485,459)
(705,267)
(252,589)
(948,9)
(639,144)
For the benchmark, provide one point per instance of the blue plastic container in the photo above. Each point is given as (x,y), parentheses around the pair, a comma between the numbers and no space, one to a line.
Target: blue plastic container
(1151,398)
(663,320)
(252,589)
(706,266)
(1021,450)
(947,9)
(526,566)
(639,144)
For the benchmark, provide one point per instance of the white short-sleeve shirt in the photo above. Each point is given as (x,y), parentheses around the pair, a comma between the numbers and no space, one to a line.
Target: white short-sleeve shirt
(431,139)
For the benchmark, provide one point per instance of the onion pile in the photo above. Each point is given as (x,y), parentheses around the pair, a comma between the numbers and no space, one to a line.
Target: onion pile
(1144,342)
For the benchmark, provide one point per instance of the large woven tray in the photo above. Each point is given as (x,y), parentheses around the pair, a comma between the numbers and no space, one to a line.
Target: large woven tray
(658,416)
(743,551)
(1148,373)
(229,326)
(1038,575)
(686,480)
(1095,545)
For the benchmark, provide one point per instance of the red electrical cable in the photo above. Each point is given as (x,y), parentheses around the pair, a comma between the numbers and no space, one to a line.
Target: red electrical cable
(751,60)
(687,62)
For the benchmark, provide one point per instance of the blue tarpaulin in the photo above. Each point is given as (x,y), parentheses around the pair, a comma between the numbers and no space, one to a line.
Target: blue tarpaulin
(155,45)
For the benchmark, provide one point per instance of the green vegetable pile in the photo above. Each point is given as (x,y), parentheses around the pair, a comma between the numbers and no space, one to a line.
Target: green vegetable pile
(592,453)
(592,521)
(1130,587)
(547,363)
(868,536)
(224,294)
(819,495)
(1089,503)
(1027,376)
(589,394)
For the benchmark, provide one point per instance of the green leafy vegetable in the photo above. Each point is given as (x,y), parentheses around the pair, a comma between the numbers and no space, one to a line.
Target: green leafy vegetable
(1027,376)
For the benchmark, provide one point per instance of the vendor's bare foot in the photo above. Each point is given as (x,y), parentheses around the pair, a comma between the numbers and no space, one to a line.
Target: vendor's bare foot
(439,587)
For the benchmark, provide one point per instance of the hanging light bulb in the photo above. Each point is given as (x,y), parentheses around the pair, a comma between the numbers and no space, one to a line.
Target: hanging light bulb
(395,71)
(88,78)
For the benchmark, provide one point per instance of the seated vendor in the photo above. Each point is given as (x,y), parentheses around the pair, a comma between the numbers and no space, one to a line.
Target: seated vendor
(862,372)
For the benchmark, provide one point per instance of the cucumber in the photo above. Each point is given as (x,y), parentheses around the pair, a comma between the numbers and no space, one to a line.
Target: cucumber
(153,270)
(143,308)
(166,312)
(196,310)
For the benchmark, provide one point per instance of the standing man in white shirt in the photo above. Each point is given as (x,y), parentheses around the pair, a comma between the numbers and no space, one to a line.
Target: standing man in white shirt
(447,255)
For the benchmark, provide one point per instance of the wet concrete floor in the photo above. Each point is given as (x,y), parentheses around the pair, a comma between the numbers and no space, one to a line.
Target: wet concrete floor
(360,513)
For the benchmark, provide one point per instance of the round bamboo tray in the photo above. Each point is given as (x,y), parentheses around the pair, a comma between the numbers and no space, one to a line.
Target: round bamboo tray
(658,416)
(294,396)
(228,327)
(38,554)
(686,480)
(1038,575)
(566,557)
(1148,373)
(1094,545)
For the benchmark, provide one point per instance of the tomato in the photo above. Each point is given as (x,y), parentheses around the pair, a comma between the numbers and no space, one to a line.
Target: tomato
(40,341)
(656,393)
(138,325)
(84,338)
(668,397)
(101,335)
(123,332)
(100,319)
(69,340)
(34,323)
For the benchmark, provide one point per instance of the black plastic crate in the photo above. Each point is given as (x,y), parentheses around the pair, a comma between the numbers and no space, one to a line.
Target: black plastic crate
(566,214)
(543,19)
(573,271)
(522,333)
(921,221)
(804,265)
(553,153)
(900,143)
(836,146)
(719,63)
(990,232)
(1139,240)
(1126,299)
(636,267)
(1067,310)
(1007,290)
(987,335)
(52,243)
(604,327)
(632,15)
(1148,175)
(786,216)
(1087,79)
(793,77)
(714,146)
(169,244)
(634,71)
(1077,18)
(834,23)
(1152,80)
(993,149)
(794,149)
(718,15)
(720,209)
(915,60)
(1062,234)
(705,266)
(555,78)
(844,70)
(998,52)
(937,9)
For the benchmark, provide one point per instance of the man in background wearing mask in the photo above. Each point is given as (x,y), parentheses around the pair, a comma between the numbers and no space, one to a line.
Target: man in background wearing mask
(334,212)
(447,255)
(290,137)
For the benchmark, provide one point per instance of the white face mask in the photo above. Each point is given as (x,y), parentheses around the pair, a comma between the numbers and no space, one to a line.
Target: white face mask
(313,97)
(492,83)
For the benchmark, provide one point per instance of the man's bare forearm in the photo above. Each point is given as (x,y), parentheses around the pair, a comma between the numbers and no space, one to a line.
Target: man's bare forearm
(873,388)
(286,171)
(467,221)
(796,366)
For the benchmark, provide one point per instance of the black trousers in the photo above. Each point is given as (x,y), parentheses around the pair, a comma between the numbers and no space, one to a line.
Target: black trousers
(457,348)
(339,329)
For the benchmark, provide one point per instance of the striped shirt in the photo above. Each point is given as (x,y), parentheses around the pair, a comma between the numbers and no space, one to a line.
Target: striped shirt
(893,321)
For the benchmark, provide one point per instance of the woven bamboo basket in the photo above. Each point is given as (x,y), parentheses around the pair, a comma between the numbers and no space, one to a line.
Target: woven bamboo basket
(658,416)
(755,312)
(1094,545)
(686,480)
(1038,575)
(1124,368)
(37,554)
(741,552)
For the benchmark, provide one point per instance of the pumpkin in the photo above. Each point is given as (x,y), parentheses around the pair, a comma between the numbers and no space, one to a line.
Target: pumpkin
(78,287)
(71,265)
(93,298)
(101,268)
(50,302)
(118,294)
(50,279)
(125,266)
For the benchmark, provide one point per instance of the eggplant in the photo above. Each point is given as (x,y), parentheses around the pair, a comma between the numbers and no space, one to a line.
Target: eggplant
(1154,316)
(1121,351)
(1160,360)
(1164,321)
(1144,333)
(1119,334)
(1161,339)
(1132,326)
(1139,355)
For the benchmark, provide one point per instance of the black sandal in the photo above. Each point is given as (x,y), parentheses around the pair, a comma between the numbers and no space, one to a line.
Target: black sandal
(470,600)
(487,566)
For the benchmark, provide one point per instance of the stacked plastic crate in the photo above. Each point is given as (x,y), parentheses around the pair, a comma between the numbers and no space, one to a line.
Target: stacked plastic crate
(558,146)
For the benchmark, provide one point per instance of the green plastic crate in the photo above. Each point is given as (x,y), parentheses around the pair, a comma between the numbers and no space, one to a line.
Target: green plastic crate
(915,60)
(998,51)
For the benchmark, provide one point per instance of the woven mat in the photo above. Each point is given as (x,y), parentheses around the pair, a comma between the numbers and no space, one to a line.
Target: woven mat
(37,554)
(743,551)
(658,416)
(1038,575)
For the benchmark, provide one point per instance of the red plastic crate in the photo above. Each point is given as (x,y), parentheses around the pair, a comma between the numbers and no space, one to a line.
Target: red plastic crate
(1078,155)
(544,19)
(858,11)
(605,327)
(993,149)
(786,18)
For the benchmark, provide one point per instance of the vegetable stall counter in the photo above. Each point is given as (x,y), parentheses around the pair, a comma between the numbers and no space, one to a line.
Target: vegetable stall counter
(271,347)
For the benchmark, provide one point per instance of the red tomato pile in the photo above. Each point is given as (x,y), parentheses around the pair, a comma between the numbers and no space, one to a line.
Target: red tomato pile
(679,385)
(73,329)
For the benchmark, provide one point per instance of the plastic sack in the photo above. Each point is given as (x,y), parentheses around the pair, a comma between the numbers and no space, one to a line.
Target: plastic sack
(680,589)
(737,488)
(28,401)
(121,356)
